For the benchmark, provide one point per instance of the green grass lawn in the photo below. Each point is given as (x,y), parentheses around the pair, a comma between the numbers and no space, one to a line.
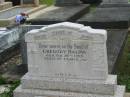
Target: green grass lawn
(48,2)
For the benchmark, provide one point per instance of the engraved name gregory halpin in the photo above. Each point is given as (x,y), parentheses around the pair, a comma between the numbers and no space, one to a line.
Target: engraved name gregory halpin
(70,52)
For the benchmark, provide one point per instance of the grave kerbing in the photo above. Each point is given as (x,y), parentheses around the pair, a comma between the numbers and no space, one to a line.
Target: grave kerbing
(68,59)
(67,2)
(30,2)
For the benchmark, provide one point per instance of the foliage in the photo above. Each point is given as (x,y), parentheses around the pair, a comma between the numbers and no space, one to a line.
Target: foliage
(124,80)
(2,80)
(123,66)
(13,84)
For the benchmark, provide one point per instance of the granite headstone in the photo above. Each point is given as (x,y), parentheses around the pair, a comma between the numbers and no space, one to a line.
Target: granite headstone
(68,59)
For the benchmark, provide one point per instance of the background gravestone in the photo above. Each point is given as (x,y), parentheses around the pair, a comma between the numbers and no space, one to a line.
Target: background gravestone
(67,2)
(30,2)
(2,1)
(115,1)
(68,60)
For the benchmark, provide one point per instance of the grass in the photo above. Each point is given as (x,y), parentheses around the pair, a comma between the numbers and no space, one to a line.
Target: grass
(123,66)
(13,84)
(48,2)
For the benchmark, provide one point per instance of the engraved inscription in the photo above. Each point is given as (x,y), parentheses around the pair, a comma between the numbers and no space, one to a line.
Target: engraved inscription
(70,52)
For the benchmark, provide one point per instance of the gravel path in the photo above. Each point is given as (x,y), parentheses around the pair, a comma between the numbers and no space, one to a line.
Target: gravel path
(10,68)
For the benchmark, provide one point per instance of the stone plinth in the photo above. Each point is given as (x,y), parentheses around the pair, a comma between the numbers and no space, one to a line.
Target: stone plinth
(68,60)
(30,2)
(115,3)
(55,14)
(67,2)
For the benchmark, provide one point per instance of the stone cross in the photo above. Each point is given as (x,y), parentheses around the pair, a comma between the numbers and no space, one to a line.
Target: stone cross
(30,2)
(67,2)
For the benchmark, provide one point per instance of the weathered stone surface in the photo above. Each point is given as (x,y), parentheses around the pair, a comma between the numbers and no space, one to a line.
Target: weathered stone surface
(67,2)
(2,1)
(115,44)
(59,14)
(30,2)
(68,58)
(5,5)
(115,1)
(9,43)
(76,51)
(114,17)
(46,93)
(72,85)
(13,12)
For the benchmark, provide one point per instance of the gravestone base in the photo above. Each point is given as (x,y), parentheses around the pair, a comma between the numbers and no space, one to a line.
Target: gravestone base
(55,14)
(20,92)
(107,86)
(103,5)
(35,86)
(67,2)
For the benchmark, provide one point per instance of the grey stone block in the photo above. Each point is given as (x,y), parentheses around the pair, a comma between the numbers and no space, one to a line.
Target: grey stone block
(60,14)
(114,18)
(67,2)
(115,44)
(106,87)
(114,5)
(19,92)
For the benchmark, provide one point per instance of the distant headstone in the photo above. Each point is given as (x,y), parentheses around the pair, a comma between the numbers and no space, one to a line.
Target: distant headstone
(68,60)
(67,2)
(30,2)
(115,1)
(2,1)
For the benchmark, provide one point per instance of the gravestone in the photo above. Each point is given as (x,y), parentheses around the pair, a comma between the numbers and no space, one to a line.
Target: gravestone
(30,2)
(115,1)
(68,60)
(67,2)
(2,1)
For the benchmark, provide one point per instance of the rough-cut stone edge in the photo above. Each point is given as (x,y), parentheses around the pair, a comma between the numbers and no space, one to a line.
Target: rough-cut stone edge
(19,92)
(76,85)
(113,5)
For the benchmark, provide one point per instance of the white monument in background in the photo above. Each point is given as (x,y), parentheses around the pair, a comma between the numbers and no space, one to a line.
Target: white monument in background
(68,60)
